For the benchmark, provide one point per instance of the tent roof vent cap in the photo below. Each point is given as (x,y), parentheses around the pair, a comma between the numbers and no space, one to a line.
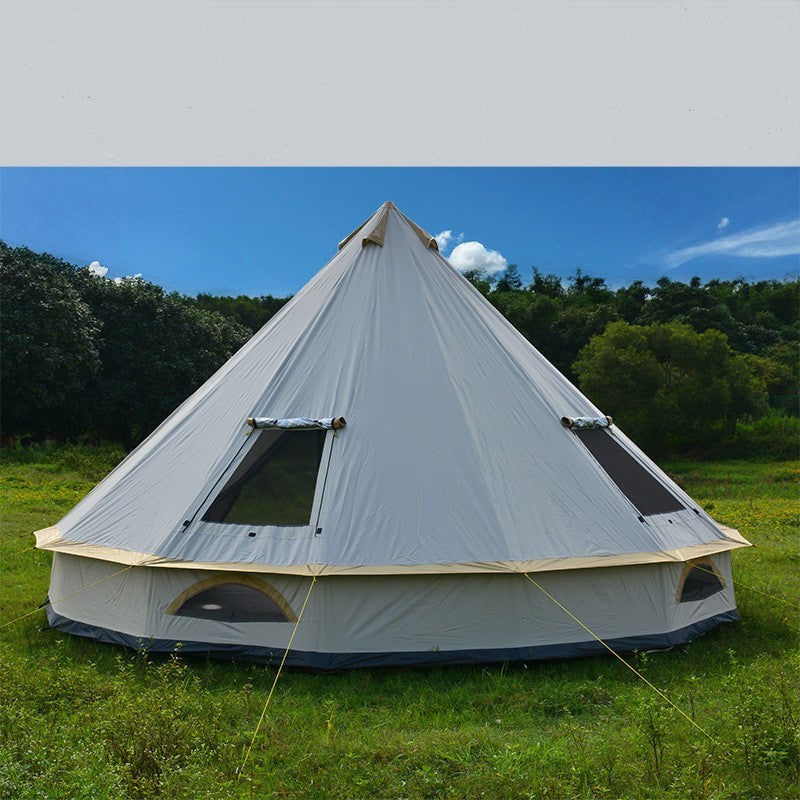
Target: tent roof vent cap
(373,231)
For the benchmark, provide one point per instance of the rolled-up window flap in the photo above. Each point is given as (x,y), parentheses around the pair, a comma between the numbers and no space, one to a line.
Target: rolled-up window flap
(301,423)
(580,423)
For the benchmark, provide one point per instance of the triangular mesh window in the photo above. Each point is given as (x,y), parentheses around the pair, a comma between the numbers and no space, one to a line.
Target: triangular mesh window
(275,483)
(700,582)
(632,479)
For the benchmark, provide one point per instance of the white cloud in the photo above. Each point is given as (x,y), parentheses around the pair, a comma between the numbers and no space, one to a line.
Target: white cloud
(96,268)
(770,241)
(446,238)
(722,224)
(473,255)
(443,239)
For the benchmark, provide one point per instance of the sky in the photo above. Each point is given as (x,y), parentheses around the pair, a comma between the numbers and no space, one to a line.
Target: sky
(268,230)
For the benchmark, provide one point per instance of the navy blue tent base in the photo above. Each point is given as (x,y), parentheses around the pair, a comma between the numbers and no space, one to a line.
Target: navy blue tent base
(336,661)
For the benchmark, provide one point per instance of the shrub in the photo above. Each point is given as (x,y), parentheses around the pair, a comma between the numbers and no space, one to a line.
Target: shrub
(775,437)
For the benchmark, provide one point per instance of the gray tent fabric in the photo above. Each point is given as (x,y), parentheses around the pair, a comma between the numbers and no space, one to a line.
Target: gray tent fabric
(454,461)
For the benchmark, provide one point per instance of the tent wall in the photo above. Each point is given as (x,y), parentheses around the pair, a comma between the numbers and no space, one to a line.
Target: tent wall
(120,602)
(353,621)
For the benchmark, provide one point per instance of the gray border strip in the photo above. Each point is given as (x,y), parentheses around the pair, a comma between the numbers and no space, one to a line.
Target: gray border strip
(340,661)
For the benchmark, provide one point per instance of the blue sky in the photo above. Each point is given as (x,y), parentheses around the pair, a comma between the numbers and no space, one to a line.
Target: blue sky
(268,230)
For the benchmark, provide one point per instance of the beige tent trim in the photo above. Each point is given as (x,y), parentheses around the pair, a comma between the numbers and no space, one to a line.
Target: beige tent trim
(378,232)
(423,235)
(50,539)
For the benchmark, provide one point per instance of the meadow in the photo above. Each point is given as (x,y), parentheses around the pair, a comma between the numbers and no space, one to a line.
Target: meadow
(85,720)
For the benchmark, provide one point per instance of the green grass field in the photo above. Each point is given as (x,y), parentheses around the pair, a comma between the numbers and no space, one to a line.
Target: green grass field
(85,720)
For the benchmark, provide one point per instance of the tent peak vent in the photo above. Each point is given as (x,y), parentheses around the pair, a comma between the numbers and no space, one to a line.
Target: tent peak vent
(373,231)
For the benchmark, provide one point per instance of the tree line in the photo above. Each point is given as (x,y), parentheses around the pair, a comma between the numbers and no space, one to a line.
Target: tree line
(702,369)
(83,356)
(685,368)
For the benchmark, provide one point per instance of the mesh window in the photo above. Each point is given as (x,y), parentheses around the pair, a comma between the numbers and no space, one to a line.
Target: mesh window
(274,484)
(633,480)
(232,602)
(699,584)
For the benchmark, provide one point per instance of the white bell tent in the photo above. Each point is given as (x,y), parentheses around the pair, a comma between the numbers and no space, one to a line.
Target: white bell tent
(390,433)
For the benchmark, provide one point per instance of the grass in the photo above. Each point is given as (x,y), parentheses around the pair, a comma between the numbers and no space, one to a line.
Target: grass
(85,720)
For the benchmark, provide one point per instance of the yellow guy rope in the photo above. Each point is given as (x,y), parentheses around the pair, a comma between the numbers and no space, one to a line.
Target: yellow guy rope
(618,656)
(65,597)
(240,769)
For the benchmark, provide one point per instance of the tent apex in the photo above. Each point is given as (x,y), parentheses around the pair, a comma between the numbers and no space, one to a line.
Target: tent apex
(373,231)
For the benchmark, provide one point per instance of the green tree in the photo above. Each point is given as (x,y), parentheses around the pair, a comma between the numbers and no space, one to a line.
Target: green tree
(252,312)
(670,388)
(780,365)
(631,300)
(577,323)
(509,280)
(779,299)
(585,288)
(534,316)
(673,301)
(548,285)
(155,350)
(49,345)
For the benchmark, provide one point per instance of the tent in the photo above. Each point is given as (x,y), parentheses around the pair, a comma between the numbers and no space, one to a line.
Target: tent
(390,433)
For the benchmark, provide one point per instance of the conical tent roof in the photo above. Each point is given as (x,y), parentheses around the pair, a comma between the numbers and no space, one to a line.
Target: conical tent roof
(454,457)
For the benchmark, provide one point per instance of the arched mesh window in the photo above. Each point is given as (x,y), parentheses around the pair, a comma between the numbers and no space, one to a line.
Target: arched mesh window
(232,600)
(699,580)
